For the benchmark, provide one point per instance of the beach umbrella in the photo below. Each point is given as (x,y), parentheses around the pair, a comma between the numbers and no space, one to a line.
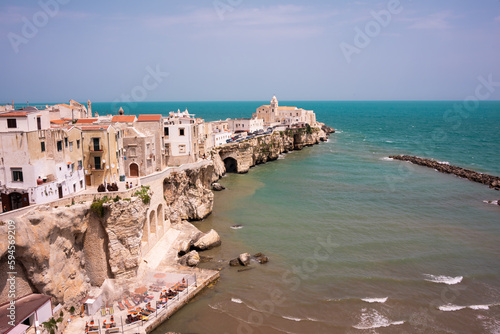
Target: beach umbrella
(141,290)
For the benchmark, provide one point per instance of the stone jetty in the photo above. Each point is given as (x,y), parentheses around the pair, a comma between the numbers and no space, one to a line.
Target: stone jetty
(489,180)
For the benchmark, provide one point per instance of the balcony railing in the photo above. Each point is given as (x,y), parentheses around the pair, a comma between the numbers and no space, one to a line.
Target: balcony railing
(95,148)
(97,167)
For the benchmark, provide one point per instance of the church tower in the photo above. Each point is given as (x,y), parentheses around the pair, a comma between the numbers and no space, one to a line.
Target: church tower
(274,109)
(89,109)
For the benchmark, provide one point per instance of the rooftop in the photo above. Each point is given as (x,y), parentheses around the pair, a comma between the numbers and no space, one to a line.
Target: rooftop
(86,120)
(123,118)
(25,306)
(149,118)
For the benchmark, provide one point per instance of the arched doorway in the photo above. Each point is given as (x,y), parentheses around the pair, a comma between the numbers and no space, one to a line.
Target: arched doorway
(231,165)
(159,219)
(152,222)
(134,170)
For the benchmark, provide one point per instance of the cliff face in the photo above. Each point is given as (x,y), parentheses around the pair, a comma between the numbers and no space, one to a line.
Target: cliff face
(188,193)
(62,251)
(248,153)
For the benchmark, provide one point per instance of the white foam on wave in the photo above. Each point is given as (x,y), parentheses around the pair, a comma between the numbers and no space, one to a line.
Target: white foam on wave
(443,162)
(291,318)
(491,202)
(387,159)
(236,300)
(444,279)
(237,227)
(375,300)
(451,308)
(389,141)
(372,319)
(479,307)
(312,319)
(281,156)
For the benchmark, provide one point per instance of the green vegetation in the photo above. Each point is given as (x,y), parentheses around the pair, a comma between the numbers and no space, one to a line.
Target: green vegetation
(308,129)
(143,194)
(72,310)
(97,206)
(51,324)
(117,198)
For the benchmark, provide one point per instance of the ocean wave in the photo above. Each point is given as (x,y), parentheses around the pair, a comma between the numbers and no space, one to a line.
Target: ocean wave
(387,159)
(372,319)
(237,227)
(375,300)
(236,300)
(443,162)
(291,318)
(389,141)
(444,279)
(281,156)
(451,308)
(479,307)
(491,202)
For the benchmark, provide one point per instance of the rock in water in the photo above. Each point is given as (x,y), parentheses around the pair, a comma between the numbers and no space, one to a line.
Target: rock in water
(234,262)
(191,259)
(261,258)
(244,259)
(185,247)
(218,187)
(208,241)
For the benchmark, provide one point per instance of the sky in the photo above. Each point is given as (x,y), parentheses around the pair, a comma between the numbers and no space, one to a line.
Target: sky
(218,50)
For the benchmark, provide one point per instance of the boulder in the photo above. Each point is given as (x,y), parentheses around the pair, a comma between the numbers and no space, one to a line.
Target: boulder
(261,258)
(191,259)
(208,241)
(244,259)
(217,187)
(235,262)
(185,247)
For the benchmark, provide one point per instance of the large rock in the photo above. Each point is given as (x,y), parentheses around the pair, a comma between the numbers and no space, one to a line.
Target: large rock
(217,187)
(261,258)
(191,259)
(244,259)
(208,241)
(235,262)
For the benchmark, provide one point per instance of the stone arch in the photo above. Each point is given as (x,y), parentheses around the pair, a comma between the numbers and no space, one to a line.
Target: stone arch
(134,170)
(231,165)
(145,232)
(160,219)
(152,222)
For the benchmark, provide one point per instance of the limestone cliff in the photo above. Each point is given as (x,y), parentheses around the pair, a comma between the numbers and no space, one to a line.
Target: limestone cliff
(62,251)
(188,193)
(239,157)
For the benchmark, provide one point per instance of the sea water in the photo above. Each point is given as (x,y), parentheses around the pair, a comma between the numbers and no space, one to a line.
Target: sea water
(357,243)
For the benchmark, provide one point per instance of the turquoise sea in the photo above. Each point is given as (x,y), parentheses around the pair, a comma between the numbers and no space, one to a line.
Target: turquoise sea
(357,243)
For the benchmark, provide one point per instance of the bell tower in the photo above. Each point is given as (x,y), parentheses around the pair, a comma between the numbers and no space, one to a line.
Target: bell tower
(273,109)
(89,109)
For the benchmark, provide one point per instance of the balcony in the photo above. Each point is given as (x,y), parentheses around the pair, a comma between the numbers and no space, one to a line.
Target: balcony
(95,148)
(97,167)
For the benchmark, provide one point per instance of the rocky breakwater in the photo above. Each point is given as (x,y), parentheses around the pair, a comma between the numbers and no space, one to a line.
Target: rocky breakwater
(489,180)
(239,157)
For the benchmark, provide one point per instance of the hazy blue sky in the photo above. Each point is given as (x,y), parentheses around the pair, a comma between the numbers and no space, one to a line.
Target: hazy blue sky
(248,50)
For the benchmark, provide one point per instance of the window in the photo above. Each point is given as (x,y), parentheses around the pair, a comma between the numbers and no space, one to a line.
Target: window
(96,144)
(80,164)
(182,148)
(17,175)
(81,184)
(39,123)
(74,188)
(165,131)
(78,143)
(59,145)
(71,146)
(97,163)
(181,131)
(42,146)
(11,123)
(66,142)
(131,152)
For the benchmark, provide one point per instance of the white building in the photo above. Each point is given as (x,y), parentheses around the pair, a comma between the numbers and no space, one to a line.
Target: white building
(38,164)
(72,111)
(273,114)
(246,124)
(29,313)
(180,133)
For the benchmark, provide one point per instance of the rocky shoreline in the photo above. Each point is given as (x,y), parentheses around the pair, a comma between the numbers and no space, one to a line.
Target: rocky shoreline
(65,251)
(490,180)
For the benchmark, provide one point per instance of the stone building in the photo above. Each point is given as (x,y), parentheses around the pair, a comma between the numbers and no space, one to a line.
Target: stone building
(180,134)
(246,124)
(38,164)
(273,114)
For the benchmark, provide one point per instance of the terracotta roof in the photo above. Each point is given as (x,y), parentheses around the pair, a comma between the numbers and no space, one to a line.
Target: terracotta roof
(15,114)
(149,118)
(94,127)
(59,121)
(86,120)
(123,118)
(25,306)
